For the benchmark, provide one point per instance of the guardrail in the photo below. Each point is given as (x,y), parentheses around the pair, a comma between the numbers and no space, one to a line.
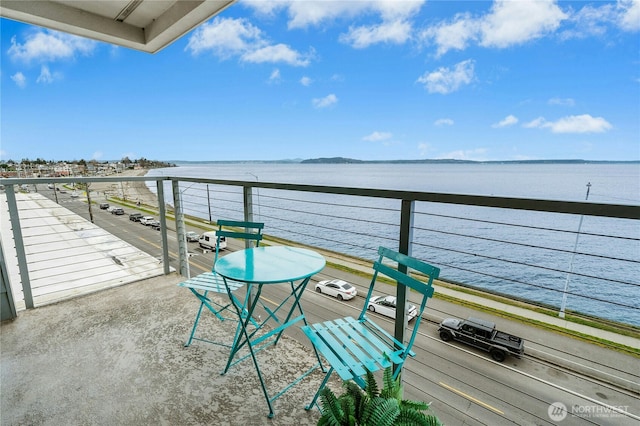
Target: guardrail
(493,243)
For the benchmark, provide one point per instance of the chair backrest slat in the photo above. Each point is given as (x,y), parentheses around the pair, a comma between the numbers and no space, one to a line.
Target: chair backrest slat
(244,233)
(381,266)
(407,280)
(240,235)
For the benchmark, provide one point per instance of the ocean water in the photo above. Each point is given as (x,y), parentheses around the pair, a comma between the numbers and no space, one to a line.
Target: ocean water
(440,231)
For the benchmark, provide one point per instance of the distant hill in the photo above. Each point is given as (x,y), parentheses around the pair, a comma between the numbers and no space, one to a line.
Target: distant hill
(343,160)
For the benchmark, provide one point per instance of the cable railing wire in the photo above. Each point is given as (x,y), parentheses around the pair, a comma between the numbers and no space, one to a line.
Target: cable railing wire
(514,243)
(491,222)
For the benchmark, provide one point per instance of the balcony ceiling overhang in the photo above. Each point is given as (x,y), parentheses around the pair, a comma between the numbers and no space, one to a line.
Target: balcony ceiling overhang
(146,25)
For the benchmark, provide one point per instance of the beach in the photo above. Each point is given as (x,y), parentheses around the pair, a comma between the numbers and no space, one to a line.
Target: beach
(130,191)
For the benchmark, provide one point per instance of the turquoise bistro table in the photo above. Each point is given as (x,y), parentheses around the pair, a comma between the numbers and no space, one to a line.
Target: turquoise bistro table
(265,266)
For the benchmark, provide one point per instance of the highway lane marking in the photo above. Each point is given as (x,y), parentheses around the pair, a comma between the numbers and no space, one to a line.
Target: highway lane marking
(470,398)
(541,380)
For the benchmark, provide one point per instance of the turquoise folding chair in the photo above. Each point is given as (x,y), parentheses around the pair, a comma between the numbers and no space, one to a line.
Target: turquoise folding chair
(353,346)
(210,282)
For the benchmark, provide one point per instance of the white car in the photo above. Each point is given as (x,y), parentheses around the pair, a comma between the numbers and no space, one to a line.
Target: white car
(386,305)
(337,288)
(192,237)
(147,220)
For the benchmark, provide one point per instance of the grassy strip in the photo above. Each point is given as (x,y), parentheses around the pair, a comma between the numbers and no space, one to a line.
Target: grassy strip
(628,330)
(635,352)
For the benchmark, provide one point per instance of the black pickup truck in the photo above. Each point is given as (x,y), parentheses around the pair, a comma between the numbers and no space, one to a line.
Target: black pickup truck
(482,334)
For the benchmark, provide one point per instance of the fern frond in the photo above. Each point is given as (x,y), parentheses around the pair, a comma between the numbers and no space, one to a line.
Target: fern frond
(371,387)
(391,387)
(381,412)
(414,405)
(360,399)
(331,408)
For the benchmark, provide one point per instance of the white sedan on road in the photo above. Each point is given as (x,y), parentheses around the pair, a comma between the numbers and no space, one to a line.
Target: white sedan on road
(337,288)
(386,305)
(192,237)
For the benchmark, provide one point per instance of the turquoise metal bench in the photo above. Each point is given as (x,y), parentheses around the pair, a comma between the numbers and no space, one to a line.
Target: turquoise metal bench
(353,346)
(210,282)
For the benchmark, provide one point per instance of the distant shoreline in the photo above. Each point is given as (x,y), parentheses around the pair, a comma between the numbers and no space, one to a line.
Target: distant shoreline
(343,160)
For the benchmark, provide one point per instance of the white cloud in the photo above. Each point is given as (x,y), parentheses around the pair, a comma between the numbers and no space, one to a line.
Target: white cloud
(446,80)
(303,14)
(225,37)
(276,53)
(377,136)
(19,79)
(45,75)
(228,37)
(306,81)
(509,120)
(325,102)
(48,46)
(455,35)
(275,76)
(478,154)
(516,22)
(508,23)
(443,122)
(396,32)
(393,18)
(538,122)
(584,123)
(629,18)
(562,102)
(98,155)
(589,21)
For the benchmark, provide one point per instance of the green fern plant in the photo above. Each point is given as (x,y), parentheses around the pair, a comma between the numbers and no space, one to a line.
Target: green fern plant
(373,407)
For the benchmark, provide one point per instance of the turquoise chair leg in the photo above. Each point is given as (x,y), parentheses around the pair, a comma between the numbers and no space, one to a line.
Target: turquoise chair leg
(322,385)
(195,323)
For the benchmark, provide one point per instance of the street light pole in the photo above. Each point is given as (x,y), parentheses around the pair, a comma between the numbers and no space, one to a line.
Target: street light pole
(257,192)
(573,255)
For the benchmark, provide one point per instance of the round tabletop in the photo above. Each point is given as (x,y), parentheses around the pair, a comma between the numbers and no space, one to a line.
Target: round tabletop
(270,265)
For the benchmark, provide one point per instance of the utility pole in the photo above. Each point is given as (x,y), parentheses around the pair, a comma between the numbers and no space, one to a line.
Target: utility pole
(573,255)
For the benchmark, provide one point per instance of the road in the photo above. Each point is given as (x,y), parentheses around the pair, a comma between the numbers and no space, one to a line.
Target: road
(465,386)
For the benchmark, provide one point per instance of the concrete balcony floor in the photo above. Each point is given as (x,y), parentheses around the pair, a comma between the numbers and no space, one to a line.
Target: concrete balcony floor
(117,357)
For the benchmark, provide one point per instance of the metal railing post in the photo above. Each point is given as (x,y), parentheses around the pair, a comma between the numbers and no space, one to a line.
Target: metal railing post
(183,252)
(163,226)
(404,246)
(248,209)
(14,217)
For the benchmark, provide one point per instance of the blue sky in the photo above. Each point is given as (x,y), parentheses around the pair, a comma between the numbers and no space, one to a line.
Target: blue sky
(267,80)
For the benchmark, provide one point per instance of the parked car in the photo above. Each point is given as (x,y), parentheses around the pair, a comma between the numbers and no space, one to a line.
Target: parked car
(146,220)
(135,217)
(192,237)
(386,305)
(483,335)
(337,288)
(118,211)
(104,206)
